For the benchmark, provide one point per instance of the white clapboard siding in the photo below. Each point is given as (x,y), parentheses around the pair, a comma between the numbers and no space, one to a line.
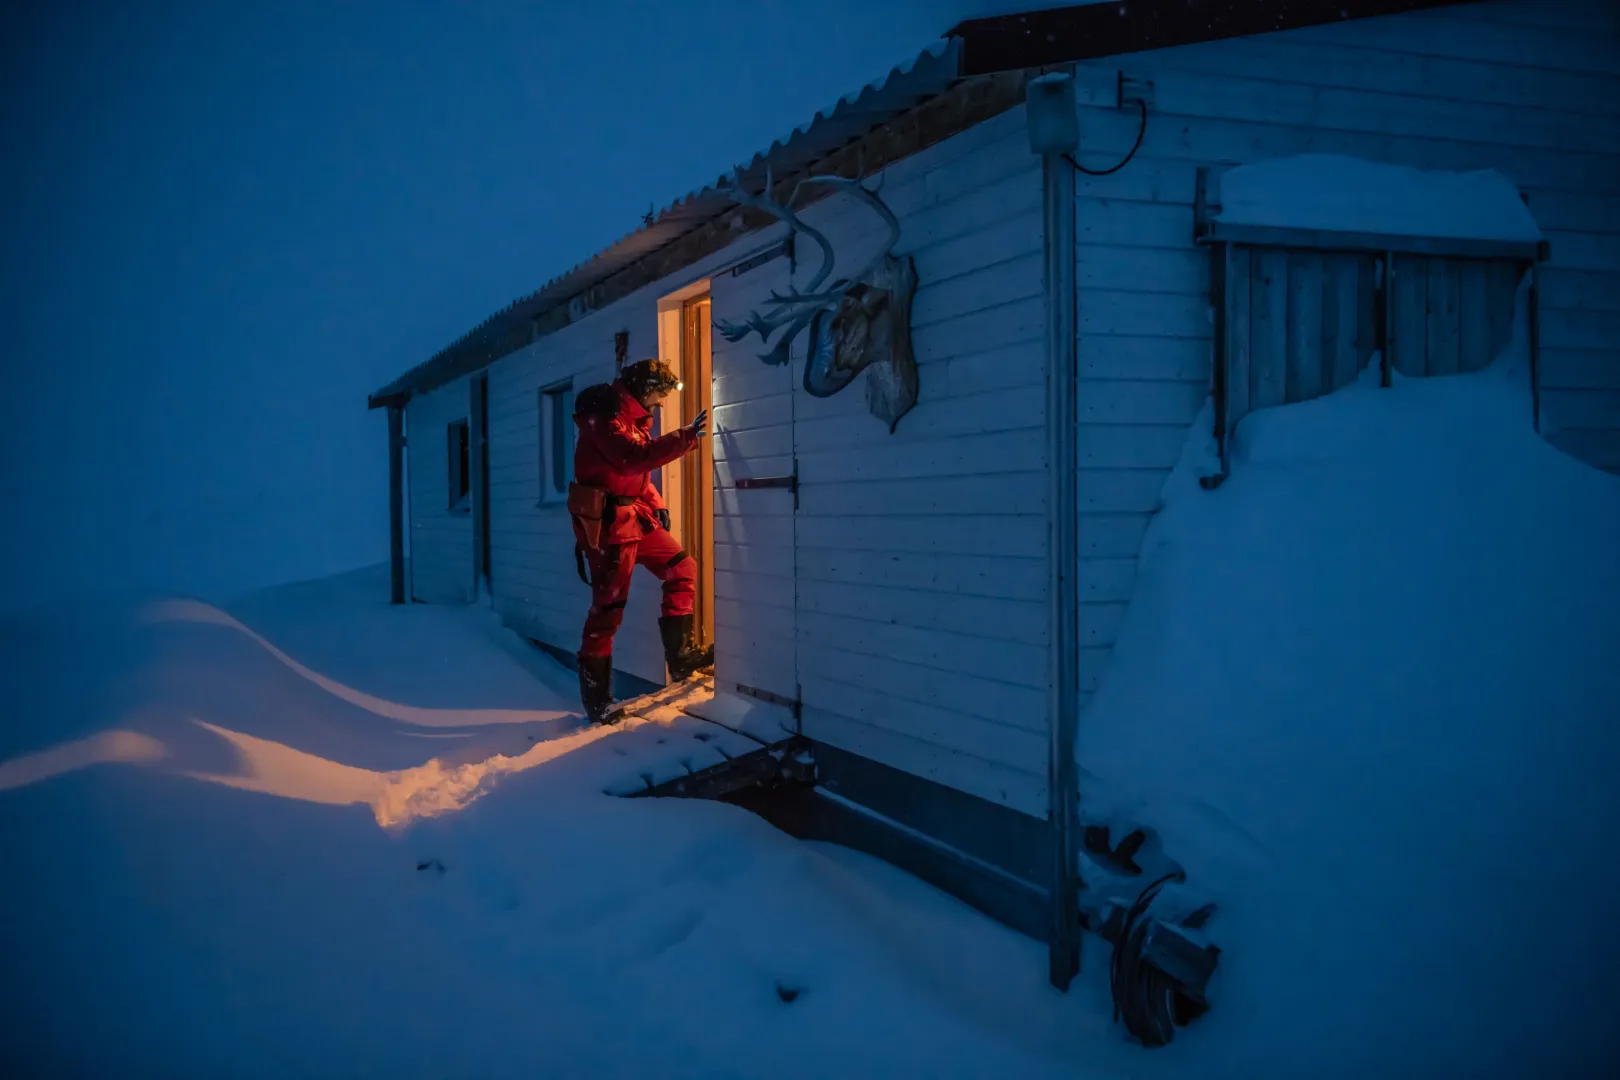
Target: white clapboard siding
(441,538)
(977,692)
(1011,661)
(1010,786)
(754,610)
(1530,88)
(1586,16)
(1337,62)
(1007,577)
(921,555)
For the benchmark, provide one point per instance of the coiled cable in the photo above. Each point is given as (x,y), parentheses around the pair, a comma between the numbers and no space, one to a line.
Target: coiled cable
(1144,996)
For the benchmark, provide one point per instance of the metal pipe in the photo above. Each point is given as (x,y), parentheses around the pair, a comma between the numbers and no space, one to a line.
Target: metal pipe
(1535,345)
(1385,328)
(396,504)
(1058,210)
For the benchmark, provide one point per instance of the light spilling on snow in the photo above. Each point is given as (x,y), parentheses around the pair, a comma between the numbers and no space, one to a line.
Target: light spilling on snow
(180,917)
(397,797)
(1367,693)
(105,748)
(194,611)
(1346,194)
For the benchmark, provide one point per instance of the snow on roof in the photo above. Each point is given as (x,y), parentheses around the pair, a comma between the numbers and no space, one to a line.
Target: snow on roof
(1346,194)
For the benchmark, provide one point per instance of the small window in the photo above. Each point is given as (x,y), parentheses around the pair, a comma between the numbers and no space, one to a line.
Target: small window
(460,465)
(556,441)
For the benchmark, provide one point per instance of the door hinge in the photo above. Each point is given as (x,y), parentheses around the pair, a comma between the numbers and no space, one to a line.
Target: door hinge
(793,704)
(791,482)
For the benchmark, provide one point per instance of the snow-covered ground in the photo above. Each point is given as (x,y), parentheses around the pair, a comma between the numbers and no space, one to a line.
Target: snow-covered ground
(200,881)
(1367,691)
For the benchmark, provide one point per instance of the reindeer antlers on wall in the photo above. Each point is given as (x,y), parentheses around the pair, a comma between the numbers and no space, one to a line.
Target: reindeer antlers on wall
(861,322)
(795,309)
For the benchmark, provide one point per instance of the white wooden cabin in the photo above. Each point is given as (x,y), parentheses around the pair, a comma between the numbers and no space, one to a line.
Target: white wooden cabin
(933,608)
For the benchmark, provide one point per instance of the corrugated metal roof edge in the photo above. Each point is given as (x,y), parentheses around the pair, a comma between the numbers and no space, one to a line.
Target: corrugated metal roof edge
(931,71)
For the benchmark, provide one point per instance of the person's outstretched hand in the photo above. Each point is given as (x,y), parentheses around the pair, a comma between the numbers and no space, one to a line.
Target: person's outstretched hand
(699,426)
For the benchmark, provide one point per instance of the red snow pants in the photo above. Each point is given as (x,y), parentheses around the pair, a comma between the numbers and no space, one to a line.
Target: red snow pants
(611,568)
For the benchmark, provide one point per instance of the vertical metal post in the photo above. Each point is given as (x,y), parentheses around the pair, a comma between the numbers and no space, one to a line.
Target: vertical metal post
(477,443)
(396,504)
(1535,345)
(1058,199)
(1220,270)
(1386,320)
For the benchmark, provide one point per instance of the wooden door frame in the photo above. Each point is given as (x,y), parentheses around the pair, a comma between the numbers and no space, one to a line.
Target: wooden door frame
(697,470)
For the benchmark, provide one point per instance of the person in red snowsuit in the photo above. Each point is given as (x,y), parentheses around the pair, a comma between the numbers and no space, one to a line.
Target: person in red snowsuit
(620,522)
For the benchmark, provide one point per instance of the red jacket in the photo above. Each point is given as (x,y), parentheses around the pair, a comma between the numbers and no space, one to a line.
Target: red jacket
(617,453)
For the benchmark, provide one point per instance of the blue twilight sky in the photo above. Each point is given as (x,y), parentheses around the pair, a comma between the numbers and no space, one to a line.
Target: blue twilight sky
(226,222)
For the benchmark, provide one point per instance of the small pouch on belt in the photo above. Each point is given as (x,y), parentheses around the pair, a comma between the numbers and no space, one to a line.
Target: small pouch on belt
(588,506)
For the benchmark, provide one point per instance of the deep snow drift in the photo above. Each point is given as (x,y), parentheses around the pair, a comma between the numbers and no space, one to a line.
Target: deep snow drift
(1369,692)
(1366,690)
(199,882)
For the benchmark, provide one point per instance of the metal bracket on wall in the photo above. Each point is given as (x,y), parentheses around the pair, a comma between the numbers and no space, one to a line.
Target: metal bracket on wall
(793,704)
(1134,89)
(749,483)
(753,262)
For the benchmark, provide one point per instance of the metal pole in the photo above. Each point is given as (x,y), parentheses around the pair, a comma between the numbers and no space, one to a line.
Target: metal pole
(1062,372)
(396,503)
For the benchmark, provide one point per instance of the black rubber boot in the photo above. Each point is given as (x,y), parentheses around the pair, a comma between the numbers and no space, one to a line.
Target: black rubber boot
(681,653)
(596,687)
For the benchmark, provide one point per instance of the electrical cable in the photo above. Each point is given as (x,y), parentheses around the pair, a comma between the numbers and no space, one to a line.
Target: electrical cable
(1141,131)
(1144,997)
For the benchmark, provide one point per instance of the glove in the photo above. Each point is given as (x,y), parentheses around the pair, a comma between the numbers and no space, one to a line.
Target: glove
(663,518)
(700,425)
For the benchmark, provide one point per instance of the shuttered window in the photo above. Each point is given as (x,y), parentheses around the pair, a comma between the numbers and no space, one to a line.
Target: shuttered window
(1299,324)
(1302,313)
(1450,316)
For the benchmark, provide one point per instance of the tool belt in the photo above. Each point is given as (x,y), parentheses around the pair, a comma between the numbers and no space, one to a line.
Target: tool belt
(592,509)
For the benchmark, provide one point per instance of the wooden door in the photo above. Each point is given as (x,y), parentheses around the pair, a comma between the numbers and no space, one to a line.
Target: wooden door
(755,497)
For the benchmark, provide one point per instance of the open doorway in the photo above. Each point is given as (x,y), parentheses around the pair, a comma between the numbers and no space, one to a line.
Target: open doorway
(688,484)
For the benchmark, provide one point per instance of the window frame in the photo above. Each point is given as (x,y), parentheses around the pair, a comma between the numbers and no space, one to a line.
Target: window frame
(458,453)
(1232,244)
(554,403)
